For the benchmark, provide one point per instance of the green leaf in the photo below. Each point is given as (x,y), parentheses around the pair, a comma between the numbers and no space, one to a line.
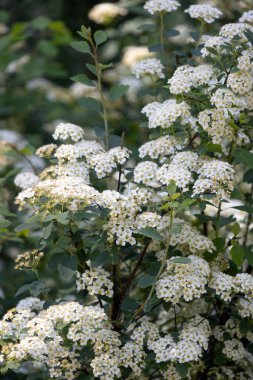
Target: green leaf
(81,46)
(47,231)
(91,104)
(146,280)
(40,22)
(117,91)
(210,147)
(4,223)
(82,78)
(147,27)
(151,233)
(237,254)
(129,305)
(35,288)
(63,218)
(172,33)
(219,243)
(68,268)
(182,369)
(181,260)
(91,68)
(100,37)
(172,187)
(235,228)
(245,156)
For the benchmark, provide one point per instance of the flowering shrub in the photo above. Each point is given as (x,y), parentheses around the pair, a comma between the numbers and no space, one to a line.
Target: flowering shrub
(154,248)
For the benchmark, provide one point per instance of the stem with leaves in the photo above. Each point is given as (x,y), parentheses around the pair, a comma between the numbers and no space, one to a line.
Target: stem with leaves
(143,306)
(101,93)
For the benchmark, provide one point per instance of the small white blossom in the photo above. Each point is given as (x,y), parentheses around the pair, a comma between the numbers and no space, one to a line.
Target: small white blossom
(150,66)
(204,12)
(153,6)
(68,131)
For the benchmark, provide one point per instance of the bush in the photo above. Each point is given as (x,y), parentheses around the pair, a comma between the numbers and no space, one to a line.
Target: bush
(138,264)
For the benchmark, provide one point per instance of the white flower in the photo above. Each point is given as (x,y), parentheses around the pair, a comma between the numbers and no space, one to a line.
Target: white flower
(185,281)
(68,131)
(153,6)
(204,12)
(165,114)
(150,66)
(181,176)
(240,82)
(134,54)
(104,13)
(145,172)
(96,281)
(187,77)
(235,29)
(163,146)
(233,349)
(26,180)
(247,17)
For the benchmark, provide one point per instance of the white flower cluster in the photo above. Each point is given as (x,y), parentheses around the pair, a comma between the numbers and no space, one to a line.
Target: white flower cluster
(245,61)
(224,98)
(161,147)
(188,239)
(24,180)
(232,30)
(104,13)
(154,6)
(147,219)
(215,123)
(233,349)
(165,114)
(68,131)
(227,286)
(245,307)
(46,150)
(179,170)
(150,66)
(185,281)
(96,281)
(28,260)
(145,172)
(247,17)
(240,82)
(193,339)
(123,210)
(45,336)
(213,43)
(215,177)
(204,12)
(186,77)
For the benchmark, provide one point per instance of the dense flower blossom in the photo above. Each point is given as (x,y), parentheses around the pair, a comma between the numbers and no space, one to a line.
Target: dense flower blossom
(145,172)
(165,114)
(150,66)
(96,281)
(231,30)
(24,180)
(247,17)
(187,77)
(204,12)
(185,281)
(65,131)
(163,146)
(154,6)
